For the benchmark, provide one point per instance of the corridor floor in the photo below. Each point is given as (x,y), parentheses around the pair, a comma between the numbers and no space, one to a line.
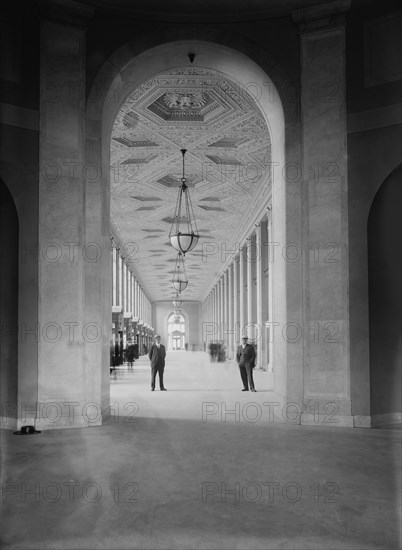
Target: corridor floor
(202,465)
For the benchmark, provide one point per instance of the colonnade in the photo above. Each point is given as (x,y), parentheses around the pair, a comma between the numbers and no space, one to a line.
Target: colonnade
(131,308)
(241,299)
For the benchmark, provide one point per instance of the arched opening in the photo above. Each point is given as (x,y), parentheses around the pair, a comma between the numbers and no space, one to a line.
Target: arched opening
(9,247)
(385,275)
(176,332)
(102,113)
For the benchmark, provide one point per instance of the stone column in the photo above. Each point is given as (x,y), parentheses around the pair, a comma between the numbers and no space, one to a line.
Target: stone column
(137,305)
(270,293)
(113,277)
(132,292)
(112,260)
(260,330)
(117,276)
(125,287)
(236,319)
(264,292)
(121,279)
(71,332)
(249,256)
(243,312)
(326,321)
(225,307)
(230,329)
(128,288)
(218,309)
(214,312)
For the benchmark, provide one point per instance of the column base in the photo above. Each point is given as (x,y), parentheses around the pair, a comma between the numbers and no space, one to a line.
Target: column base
(308,419)
(361,421)
(386,419)
(77,421)
(56,415)
(8,423)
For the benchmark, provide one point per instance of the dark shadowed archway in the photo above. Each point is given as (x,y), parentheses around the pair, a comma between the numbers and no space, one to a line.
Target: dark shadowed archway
(9,232)
(385,275)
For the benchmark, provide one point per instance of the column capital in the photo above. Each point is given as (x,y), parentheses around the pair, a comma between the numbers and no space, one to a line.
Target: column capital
(312,18)
(66,12)
(269,213)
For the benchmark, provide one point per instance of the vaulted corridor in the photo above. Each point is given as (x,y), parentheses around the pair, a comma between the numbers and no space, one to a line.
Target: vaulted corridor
(194,174)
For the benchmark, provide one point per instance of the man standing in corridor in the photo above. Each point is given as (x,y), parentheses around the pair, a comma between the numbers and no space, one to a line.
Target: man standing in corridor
(157,355)
(245,358)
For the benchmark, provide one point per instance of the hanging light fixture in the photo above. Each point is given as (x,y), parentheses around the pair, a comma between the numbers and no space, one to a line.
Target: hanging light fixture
(180,280)
(177,302)
(183,233)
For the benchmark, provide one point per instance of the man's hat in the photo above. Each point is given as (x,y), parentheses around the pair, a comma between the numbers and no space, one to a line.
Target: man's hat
(27,430)
(244,337)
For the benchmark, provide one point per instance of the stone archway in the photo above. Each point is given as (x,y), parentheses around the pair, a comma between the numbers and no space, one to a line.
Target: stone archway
(126,72)
(384,232)
(9,271)
(176,334)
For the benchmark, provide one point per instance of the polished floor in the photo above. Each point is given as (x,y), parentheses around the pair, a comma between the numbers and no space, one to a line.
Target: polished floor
(202,465)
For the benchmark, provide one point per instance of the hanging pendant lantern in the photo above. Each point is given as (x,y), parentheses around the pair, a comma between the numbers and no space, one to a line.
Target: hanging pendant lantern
(183,233)
(177,302)
(180,280)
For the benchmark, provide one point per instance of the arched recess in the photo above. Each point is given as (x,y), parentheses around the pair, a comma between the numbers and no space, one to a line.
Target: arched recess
(9,248)
(132,65)
(182,328)
(385,297)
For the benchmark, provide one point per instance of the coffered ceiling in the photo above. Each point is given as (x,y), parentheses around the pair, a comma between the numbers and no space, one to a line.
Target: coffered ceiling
(226,164)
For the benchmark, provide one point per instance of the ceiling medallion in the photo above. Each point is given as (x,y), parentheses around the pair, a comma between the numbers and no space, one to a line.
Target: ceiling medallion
(185,100)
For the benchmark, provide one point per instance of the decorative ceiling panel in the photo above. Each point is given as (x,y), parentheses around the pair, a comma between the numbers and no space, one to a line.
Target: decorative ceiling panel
(226,164)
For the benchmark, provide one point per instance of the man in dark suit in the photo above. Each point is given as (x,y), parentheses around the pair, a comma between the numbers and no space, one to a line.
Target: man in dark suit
(157,355)
(245,357)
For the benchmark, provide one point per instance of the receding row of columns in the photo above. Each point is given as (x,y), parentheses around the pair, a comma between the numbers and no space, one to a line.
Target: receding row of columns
(126,289)
(240,302)
(131,309)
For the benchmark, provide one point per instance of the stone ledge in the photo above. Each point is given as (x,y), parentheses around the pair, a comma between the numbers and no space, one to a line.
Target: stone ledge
(321,15)
(8,423)
(361,421)
(386,419)
(338,422)
(65,422)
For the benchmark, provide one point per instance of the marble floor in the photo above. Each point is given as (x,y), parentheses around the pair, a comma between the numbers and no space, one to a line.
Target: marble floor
(202,465)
